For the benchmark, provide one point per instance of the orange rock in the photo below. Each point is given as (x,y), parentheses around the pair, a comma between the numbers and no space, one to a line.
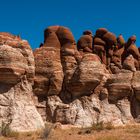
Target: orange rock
(87,32)
(51,39)
(85,41)
(65,35)
(120,40)
(99,41)
(101,31)
(110,38)
(132,49)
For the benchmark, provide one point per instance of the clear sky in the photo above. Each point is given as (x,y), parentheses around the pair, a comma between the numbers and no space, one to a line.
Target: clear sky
(29,18)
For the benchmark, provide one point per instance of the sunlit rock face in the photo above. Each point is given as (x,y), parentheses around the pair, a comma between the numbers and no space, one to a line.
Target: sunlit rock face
(12,65)
(93,81)
(17,109)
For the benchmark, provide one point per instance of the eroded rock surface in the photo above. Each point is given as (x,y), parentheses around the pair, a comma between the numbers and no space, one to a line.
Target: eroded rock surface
(99,79)
(94,80)
(17,69)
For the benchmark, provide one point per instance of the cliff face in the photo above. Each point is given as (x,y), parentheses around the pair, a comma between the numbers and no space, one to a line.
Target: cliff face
(17,69)
(94,80)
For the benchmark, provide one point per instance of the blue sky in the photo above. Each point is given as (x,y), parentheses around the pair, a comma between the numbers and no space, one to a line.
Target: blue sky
(29,18)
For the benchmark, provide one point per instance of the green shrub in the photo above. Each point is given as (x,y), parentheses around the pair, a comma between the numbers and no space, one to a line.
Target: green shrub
(98,126)
(109,126)
(101,126)
(47,130)
(6,131)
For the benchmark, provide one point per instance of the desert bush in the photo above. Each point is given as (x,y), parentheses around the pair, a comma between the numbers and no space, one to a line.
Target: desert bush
(98,126)
(109,126)
(102,126)
(6,131)
(47,130)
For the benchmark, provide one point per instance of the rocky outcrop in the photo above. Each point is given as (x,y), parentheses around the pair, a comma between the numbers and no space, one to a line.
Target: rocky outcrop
(17,109)
(94,80)
(98,81)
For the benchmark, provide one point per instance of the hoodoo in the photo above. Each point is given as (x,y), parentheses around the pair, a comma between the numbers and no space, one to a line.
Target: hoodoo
(94,80)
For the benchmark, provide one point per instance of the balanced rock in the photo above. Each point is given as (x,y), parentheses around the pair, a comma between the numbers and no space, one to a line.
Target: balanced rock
(85,43)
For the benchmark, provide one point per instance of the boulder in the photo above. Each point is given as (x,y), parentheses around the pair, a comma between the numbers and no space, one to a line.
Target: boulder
(101,31)
(119,86)
(87,32)
(110,38)
(120,41)
(99,41)
(85,43)
(129,63)
(65,35)
(83,82)
(51,39)
(132,49)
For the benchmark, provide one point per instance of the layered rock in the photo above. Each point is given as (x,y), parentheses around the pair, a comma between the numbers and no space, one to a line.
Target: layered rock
(99,81)
(87,76)
(93,81)
(17,109)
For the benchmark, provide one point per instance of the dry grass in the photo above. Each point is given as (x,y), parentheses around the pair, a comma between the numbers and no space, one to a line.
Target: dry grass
(97,132)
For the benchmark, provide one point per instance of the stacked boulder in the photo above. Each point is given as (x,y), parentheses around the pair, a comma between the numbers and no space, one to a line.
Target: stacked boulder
(131,49)
(84,44)
(93,81)
(49,72)
(113,51)
(104,43)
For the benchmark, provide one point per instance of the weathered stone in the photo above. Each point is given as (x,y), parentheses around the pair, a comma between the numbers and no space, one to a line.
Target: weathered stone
(86,111)
(101,31)
(51,39)
(17,109)
(83,82)
(49,72)
(99,41)
(110,38)
(85,43)
(119,86)
(129,63)
(70,86)
(136,84)
(89,93)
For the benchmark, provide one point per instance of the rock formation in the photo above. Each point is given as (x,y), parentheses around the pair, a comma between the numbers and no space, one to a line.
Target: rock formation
(17,69)
(97,78)
(94,80)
